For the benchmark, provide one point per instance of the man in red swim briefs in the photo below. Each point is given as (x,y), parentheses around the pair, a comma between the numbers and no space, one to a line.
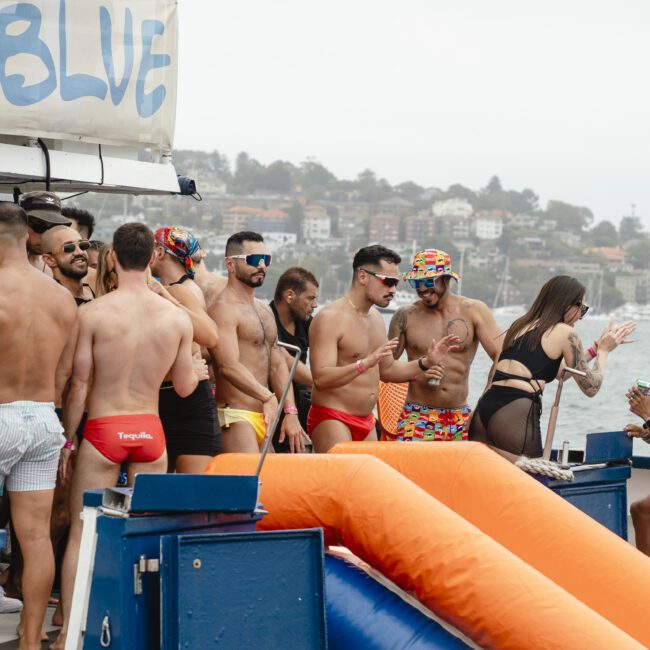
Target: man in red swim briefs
(349,353)
(129,340)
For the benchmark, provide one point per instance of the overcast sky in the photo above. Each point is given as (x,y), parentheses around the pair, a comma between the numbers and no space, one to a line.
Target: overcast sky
(550,95)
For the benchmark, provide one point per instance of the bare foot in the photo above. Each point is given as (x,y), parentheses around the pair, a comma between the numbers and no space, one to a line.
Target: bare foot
(57,617)
(59,644)
(19,632)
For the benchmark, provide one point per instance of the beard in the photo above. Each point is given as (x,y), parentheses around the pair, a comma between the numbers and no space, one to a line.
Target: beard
(429,295)
(253,281)
(74,272)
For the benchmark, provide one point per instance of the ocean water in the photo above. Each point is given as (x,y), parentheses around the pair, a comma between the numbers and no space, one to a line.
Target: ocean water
(579,414)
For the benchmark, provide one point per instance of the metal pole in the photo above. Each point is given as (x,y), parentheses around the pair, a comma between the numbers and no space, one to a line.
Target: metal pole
(552,420)
(276,418)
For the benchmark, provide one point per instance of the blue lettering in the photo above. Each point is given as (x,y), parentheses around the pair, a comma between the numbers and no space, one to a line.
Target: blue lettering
(76,85)
(13,86)
(148,103)
(117,91)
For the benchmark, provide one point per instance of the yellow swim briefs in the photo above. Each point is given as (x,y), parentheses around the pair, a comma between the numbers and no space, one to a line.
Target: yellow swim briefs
(228,416)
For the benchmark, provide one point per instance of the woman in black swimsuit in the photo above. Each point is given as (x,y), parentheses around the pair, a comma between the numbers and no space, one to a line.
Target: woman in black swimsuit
(508,414)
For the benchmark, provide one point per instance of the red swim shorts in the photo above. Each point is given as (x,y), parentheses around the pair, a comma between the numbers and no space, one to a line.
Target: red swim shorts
(360,426)
(127,438)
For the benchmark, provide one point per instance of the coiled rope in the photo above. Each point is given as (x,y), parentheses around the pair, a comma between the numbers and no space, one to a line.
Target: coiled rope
(544,467)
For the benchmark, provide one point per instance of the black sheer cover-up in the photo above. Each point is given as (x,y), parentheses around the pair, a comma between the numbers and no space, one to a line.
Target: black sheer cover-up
(508,418)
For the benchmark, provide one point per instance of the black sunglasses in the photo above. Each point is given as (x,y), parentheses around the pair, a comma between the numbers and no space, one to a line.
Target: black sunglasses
(39,226)
(583,308)
(70,247)
(254,259)
(386,280)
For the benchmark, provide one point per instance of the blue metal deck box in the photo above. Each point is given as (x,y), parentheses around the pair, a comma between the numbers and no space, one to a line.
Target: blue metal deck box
(601,490)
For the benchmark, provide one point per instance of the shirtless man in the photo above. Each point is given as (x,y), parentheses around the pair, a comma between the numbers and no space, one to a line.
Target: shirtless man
(350,353)
(38,329)
(129,340)
(190,423)
(43,212)
(439,411)
(66,254)
(248,359)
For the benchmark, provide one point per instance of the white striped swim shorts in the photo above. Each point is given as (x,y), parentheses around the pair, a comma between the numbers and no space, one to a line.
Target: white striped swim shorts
(31,438)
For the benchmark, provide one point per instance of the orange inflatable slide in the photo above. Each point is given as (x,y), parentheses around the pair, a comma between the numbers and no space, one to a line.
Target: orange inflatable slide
(545,531)
(455,569)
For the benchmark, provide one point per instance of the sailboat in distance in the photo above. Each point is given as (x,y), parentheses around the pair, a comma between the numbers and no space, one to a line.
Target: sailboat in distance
(500,304)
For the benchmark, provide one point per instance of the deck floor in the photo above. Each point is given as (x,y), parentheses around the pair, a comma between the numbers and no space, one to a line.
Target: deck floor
(8,636)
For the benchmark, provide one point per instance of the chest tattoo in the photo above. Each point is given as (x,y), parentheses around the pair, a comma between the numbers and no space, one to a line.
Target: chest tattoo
(458,327)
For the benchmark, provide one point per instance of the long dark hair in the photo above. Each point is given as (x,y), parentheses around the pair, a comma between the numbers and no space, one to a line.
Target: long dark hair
(552,302)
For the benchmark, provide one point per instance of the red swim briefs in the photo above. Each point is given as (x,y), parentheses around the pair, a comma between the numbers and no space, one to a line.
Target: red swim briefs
(127,438)
(360,426)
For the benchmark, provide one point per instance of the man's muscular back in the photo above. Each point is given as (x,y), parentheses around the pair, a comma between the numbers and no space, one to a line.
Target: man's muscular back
(37,319)
(135,341)
(416,324)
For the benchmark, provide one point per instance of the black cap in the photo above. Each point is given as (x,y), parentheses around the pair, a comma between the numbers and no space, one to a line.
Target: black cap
(45,206)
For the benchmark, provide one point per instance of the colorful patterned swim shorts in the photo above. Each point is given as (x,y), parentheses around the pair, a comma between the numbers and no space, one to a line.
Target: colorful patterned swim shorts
(420,422)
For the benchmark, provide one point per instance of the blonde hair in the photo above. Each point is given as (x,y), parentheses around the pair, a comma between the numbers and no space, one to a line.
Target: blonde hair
(106,278)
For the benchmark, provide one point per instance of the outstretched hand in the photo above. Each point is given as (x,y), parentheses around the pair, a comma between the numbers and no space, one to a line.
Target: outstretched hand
(383,351)
(438,350)
(615,335)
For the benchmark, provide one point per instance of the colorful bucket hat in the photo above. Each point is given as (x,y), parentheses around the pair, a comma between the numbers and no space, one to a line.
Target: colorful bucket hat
(430,263)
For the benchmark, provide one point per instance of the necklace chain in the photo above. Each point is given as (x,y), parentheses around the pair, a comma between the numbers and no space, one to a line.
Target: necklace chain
(356,308)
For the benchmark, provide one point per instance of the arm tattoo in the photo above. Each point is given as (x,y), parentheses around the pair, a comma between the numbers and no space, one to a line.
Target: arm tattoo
(397,329)
(592,382)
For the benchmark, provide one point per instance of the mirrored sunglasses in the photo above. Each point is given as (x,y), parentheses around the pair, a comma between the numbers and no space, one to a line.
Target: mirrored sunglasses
(387,280)
(423,283)
(254,259)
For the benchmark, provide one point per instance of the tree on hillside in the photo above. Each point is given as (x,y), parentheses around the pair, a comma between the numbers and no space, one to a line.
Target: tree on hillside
(531,199)
(639,254)
(371,189)
(630,228)
(409,191)
(248,175)
(312,173)
(493,186)
(278,176)
(568,217)
(602,234)
(296,219)
(458,191)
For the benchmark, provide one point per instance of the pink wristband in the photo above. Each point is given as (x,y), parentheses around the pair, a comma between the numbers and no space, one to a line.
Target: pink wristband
(291,409)
(592,352)
(360,367)
(69,445)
